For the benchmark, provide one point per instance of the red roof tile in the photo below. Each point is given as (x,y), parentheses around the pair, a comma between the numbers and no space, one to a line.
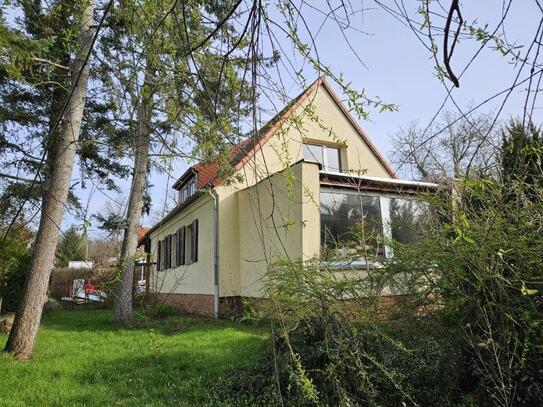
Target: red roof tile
(142,231)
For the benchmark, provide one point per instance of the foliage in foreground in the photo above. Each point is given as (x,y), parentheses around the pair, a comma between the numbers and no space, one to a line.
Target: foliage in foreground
(465,327)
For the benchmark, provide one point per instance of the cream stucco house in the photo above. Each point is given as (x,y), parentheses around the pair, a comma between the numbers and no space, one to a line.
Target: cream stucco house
(305,177)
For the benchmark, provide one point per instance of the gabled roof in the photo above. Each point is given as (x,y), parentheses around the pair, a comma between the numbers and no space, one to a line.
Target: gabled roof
(244,151)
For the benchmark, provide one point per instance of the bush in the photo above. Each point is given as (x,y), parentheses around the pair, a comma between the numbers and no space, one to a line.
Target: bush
(164,311)
(352,364)
(253,386)
(328,351)
(487,267)
(14,261)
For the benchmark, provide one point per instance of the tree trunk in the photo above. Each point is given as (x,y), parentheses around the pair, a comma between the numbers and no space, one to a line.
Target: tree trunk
(122,303)
(27,321)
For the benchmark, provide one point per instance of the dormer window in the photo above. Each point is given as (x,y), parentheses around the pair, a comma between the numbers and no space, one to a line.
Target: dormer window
(328,157)
(187,190)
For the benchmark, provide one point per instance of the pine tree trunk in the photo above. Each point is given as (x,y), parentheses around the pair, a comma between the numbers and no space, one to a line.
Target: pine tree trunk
(27,320)
(122,303)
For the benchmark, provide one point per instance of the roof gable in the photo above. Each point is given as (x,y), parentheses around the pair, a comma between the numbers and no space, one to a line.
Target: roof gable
(253,144)
(244,151)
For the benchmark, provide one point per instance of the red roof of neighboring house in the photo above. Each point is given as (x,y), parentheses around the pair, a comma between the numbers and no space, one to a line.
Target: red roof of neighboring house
(242,152)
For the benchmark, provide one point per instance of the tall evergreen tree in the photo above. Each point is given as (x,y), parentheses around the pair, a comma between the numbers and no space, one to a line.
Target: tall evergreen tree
(70,248)
(37,44)
(65,114)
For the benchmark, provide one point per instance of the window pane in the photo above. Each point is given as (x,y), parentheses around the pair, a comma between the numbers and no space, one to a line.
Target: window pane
(333,159)
(350,219)
(313,152)
(408,219)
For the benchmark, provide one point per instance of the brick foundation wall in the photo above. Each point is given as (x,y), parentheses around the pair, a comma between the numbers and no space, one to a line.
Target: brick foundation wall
(202,304)
(197,304)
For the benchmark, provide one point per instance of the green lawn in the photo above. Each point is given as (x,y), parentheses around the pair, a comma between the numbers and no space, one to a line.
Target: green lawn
(80,359)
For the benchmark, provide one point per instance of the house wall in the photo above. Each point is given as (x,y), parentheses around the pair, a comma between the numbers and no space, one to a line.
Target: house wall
(280,152)
(196,278)
(278,222)
(229,277)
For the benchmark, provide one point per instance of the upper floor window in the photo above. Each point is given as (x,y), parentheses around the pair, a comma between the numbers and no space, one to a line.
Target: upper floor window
(328,157)
(187,190)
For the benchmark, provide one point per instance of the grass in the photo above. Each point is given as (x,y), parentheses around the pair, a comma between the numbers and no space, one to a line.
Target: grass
(80,359)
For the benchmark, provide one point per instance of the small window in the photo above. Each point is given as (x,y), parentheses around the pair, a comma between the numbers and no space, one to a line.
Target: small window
(191,242)
(333,160)
(328,157)
(313,152)
(187,190)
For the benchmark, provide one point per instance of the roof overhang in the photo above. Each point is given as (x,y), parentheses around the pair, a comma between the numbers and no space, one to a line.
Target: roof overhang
(171,214)
(368,182)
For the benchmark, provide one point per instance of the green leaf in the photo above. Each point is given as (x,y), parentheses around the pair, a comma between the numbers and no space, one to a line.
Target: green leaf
(527,291)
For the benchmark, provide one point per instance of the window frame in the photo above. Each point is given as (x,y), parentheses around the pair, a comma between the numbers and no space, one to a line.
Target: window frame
(188,189)
(384,205)
(324,152)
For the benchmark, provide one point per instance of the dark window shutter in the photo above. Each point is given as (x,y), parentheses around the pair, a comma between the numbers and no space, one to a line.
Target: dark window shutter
(158,255)
(177,256)
(166,252)
(174,250)
(194,243)
(169,252)
(181,246)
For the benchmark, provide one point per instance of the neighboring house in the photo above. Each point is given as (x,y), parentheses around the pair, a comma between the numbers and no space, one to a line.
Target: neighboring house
(308,176)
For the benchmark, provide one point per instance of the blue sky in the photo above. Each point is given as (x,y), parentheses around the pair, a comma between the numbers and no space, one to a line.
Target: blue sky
(399,70)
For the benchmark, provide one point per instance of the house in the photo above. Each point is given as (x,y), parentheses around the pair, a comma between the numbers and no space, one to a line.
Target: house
(305,177)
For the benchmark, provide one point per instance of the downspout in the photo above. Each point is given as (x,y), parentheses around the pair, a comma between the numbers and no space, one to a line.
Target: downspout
(211,191)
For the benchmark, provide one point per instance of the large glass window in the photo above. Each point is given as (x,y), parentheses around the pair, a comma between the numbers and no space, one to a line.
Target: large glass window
(350,224)
(328,157)
(356,225)
(408,219)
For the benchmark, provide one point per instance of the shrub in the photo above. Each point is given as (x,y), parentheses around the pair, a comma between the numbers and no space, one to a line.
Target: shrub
(14,260)
(253,386)
(351,364)
(164,311)
(480,273)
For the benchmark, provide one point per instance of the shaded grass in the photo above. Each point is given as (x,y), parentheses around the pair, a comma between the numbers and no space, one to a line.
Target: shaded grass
(80,359)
